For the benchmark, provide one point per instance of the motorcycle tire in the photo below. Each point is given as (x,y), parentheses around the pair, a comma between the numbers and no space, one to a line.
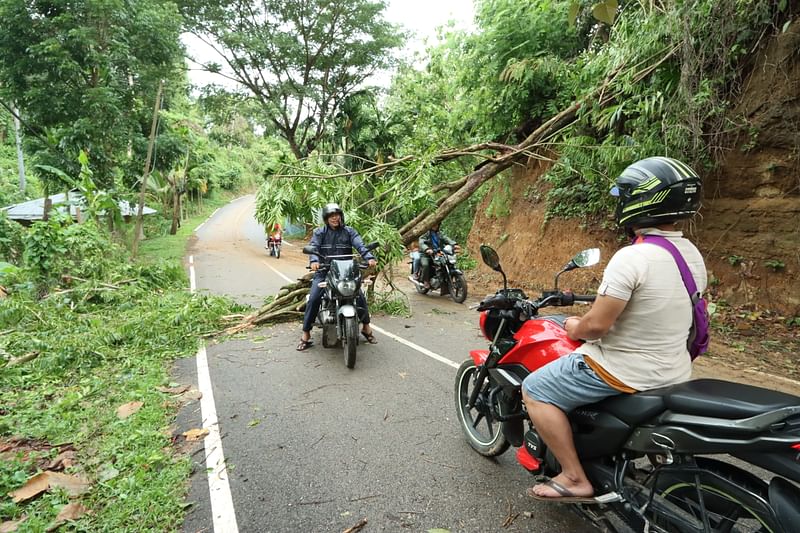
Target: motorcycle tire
(490,440)
(350,341)
(458,288)
(277,252)
(735,500)
(421,288)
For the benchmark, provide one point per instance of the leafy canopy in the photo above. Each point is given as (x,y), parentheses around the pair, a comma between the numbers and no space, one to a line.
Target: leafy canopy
(298,58)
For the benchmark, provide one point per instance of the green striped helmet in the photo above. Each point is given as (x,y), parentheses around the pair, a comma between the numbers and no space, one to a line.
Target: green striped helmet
(657,190)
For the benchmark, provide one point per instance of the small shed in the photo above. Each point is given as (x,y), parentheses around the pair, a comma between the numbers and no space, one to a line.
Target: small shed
(28,212)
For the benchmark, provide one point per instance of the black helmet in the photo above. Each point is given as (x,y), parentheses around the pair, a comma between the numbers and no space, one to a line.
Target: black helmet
(657,190)
(330,209)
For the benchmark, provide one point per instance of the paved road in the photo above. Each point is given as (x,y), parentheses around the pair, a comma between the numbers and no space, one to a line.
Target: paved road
(312,446)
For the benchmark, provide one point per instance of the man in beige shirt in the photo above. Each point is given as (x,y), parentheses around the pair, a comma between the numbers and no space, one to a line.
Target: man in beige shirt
(637,329)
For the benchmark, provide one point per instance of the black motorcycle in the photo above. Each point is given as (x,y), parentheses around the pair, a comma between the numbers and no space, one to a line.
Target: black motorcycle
(675,459)
(338,314)
(446,277)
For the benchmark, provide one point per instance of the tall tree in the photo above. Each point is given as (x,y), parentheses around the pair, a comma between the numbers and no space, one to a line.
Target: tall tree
(298,58)
(84,74)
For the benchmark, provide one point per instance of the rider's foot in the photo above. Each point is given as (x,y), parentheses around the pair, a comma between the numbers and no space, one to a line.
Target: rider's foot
(562,486)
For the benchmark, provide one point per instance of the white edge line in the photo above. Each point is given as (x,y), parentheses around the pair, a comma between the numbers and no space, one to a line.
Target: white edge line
(416,347)
(281,274)
(222,510)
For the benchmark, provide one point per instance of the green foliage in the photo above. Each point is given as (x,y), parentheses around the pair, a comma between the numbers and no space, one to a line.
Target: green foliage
(501,199)
(316,54)
(101,339)
(735,260)
(11,240)
(775,264)
(83,75)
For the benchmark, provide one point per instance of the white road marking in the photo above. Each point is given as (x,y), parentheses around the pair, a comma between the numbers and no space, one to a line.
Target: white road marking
(416,347)
(222,510)
(279,273)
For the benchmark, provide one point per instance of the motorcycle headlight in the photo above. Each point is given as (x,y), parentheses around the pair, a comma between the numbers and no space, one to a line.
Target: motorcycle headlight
(346,288)
(451,259)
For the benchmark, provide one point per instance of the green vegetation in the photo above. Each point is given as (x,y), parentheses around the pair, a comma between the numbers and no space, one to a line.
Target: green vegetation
(85,331)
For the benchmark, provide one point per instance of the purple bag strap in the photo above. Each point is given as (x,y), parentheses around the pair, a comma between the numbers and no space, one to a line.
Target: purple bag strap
(686,274)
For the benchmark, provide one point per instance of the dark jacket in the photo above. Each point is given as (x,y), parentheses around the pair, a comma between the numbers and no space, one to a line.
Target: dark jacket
(426,241)
(337,242)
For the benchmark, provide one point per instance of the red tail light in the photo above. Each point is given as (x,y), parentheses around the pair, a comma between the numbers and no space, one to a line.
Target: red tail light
(796,446)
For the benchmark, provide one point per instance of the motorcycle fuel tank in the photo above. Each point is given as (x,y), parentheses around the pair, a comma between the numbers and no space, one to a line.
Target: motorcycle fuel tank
(540,341)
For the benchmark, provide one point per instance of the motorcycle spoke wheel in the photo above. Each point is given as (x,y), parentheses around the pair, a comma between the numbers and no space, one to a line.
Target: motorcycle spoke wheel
(734,500)
(483,431)
(458,288)
(350,341)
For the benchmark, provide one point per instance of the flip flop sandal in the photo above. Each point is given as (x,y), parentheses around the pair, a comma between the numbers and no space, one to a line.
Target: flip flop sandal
(304,345)
(566,495)
(370,337)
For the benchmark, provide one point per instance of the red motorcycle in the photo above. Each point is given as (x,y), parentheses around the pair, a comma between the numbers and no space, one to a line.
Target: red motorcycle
(646,454)
(273,245)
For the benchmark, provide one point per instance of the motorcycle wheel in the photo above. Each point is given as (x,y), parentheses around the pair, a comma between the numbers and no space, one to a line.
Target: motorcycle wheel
(484,433)
(458,288)
(350,341)
(421,288)
(735,500)
(278,252)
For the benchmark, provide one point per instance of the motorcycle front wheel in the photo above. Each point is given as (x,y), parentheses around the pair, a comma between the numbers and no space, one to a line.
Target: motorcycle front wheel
(350,341)
(484,433)
(734,500)
(277,251)
(458,288)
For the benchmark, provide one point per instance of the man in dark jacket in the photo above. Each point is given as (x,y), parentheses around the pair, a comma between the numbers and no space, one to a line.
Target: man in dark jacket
(334,238)
(430,244)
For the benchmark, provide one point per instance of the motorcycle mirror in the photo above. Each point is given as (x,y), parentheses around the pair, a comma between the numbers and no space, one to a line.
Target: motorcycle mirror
(490,257)
(585,258)
(309,250)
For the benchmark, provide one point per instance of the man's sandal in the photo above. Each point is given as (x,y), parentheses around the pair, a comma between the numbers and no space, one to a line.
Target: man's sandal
(370,337)
(304,345)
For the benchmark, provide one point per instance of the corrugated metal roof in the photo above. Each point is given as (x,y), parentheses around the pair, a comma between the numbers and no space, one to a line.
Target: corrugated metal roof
(34,209)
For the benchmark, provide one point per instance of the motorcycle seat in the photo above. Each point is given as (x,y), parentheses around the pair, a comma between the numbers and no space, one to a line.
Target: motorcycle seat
(633,409)
(725,399)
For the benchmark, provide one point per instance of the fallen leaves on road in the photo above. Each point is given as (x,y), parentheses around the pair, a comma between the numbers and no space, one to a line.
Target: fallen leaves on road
(195,434)
(174,390)
(71,511)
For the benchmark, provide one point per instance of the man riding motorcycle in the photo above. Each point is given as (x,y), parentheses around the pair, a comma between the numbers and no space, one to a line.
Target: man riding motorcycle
(430,244)
(638,326)
(334,238)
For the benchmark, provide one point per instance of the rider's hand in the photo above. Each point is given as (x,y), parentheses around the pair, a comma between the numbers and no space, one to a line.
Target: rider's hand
(571,324)
(429,251)
(372,262)
(315,266)
(457,248)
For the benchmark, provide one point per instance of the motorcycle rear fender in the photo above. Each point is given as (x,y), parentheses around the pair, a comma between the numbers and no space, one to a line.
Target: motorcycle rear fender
(347,311)
(479,356)
(784,497)
(786,464)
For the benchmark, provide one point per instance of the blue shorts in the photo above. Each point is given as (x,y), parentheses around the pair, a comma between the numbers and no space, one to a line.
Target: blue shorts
(568,382)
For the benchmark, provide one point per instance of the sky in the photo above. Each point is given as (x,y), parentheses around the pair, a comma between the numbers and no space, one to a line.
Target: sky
(421,17)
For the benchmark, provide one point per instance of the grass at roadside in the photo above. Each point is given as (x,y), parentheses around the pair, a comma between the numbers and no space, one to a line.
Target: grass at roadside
(68,362)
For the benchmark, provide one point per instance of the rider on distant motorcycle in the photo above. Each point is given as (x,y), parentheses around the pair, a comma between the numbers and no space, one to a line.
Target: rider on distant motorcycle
(637,328)
(334,238)
(274,234)
(430,244)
